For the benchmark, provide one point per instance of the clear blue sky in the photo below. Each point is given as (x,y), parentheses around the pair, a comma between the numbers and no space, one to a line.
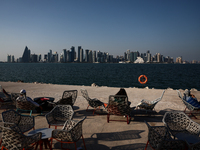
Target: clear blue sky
(169,27)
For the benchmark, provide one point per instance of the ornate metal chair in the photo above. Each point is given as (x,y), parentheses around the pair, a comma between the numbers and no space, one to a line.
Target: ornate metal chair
(25,105)
(70,133)
(14,139)
(118,105)
(59,114)
(68,98)
(25,123)
(179,122)
(159,138)
(188,106)
(94,103)
(149,105)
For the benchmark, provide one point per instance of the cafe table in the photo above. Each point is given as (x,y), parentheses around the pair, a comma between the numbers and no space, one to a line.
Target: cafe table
(46,134)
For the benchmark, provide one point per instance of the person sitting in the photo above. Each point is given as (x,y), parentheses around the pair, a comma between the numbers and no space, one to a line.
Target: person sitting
(191,99)
(123,92)
(21,97)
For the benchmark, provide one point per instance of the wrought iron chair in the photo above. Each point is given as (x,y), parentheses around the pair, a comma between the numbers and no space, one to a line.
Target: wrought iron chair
(192,109)
(149,105)
(70,133)
(118,105)
(94,103)
(14,139)
(68,98)
(159,138)
(59,114)
(25,105)
(25,123)
(179,122)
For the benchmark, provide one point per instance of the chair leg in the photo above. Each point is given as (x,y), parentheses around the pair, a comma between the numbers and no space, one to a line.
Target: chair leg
(94,111)
(146,145)
(108,115)
(83,142)
(128,119)
(75,145)
(87,107)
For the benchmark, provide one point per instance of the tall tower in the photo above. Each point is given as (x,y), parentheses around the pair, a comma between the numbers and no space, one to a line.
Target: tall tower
(81,55)
(26,55)
(72,54)
(79,48)
(86,55)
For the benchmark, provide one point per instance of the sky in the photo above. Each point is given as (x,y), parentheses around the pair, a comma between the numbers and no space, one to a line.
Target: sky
(168,27)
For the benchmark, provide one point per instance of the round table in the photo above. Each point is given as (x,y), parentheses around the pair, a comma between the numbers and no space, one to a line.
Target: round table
(46,134)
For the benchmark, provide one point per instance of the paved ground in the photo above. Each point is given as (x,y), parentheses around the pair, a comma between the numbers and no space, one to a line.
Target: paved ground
(99,134)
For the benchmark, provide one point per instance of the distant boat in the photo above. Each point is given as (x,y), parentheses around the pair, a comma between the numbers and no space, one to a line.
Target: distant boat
(121,62)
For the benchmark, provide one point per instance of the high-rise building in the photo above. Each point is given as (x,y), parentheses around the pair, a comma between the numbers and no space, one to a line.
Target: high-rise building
(49,56)
(9,58)
(26,55)
(128,55)
(40,57)
(81,55)
(64,56)
(12,59)
(179,60)
(86,55)
(158,57)
(94,56)
(90,56)
(34,58)
(79,51)
(72,54)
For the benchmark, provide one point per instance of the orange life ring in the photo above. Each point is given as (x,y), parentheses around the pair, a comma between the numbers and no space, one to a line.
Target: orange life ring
(142,81)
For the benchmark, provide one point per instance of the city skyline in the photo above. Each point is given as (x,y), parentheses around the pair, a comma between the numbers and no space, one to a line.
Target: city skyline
(169,27)
(89,56)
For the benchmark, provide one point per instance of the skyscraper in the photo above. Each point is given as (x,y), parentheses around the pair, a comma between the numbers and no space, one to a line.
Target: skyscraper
(81,55)
(86,55)
(72,54)
(26,55)
(79,49)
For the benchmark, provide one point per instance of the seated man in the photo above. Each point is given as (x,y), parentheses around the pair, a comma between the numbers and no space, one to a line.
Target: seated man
(123,92)
(191,99)
(39,108)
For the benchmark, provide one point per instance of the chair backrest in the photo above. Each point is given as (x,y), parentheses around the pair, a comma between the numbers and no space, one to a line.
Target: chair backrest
(25,105)
(85,94)
(62,112)
(118,105)
(25,123)
(73,129)
(12,139)
(11,116)
(188,105)
(178,121)
(157,134)
(158,99)
(68,98)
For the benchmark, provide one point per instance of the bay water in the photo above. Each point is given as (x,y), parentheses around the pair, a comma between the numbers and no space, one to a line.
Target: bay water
(160,76)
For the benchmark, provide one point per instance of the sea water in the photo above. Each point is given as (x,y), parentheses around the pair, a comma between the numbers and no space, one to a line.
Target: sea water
(160,76)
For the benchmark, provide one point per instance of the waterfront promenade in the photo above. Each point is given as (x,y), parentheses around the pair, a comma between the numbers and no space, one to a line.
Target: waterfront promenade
(99,134)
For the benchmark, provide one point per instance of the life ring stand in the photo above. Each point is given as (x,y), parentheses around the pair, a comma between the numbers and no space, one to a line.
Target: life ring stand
(142,77)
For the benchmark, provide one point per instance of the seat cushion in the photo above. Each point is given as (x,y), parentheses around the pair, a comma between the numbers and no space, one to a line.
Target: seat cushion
(193,102)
